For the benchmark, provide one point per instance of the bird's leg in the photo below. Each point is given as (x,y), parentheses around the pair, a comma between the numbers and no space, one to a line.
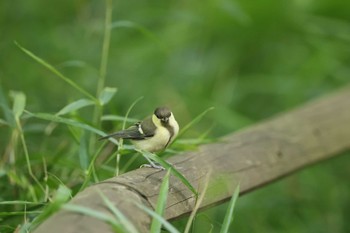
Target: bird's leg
(152,164)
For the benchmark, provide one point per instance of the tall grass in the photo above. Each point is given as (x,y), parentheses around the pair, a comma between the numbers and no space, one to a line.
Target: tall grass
(80,131)
(249,61)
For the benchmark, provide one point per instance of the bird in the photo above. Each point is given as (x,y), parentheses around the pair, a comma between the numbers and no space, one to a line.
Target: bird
(153,134)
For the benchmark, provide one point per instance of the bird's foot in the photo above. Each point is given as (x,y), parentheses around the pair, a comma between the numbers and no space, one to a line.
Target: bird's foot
(152,165)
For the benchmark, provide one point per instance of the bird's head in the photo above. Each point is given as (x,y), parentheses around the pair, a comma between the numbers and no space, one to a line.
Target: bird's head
(163,114)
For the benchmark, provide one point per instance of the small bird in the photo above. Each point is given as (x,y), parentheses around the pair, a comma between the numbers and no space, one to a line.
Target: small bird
(153,134)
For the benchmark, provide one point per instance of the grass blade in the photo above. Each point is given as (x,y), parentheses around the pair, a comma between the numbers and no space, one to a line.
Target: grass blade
(75,106)
(18,109)
(129,110)
(194,121)
(229,213)
(118,214)
(168,166)
(19,202)
(117,226)
(63,194)
(105,47)
(161,203)
(97,113)
(55,71)
(58,119)
(13,213)
(118,118)
(153,214)
(198,203)
(117,169)
(90,170)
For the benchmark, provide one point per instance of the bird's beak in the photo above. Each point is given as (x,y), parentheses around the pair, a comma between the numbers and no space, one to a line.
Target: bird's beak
(165,119)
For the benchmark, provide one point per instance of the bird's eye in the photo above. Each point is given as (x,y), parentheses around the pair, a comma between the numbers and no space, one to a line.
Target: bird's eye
(162,112)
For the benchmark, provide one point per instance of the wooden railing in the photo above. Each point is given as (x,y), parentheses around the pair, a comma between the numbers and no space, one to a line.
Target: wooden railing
(254,157)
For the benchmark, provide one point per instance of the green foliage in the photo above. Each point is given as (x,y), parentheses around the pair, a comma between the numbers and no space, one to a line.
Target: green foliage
(229,213)
(158,218)
(168,166)
(106,95)
(124,222)
(116,225)
(161,203)
(55,71)
(74,106)
(249,60)
(62,195)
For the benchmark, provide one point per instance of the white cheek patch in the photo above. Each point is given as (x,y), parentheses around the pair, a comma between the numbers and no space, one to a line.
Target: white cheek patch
(156,121)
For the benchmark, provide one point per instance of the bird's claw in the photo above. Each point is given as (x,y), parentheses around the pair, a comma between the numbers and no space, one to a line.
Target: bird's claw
(152,165)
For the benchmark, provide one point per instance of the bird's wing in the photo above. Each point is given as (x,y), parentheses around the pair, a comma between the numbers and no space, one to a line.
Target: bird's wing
(148,127)
(139,131)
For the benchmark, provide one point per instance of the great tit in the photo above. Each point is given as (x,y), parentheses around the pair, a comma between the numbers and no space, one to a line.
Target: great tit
(152,134)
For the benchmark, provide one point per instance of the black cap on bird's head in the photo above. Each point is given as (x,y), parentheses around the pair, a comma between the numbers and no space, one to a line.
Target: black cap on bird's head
(162,113)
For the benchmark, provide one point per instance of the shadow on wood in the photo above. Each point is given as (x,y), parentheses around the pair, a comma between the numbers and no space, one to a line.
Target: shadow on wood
(253,156)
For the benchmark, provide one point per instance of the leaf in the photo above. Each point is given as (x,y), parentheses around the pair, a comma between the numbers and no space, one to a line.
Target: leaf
(161,203)
(19,103)
(106,95)
(229,213)
(168,166)
(73,63)
(75,106)
(58,119)
(118,118)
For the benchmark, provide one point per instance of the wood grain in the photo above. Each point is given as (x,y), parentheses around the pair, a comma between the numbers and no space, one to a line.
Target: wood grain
(254,156)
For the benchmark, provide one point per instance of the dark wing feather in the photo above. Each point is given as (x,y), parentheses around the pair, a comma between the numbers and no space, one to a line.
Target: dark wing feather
(134,132)
(148,127)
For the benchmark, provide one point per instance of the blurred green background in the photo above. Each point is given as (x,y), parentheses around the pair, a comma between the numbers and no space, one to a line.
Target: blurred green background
(248,59)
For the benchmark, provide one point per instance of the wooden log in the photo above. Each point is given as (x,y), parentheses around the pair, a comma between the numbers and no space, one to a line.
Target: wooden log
(254,156)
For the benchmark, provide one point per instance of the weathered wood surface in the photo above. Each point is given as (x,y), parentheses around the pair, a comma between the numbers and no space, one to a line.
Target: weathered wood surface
(253,156)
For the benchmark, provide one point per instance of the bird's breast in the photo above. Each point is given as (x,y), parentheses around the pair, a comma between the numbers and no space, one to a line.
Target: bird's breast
(156,143)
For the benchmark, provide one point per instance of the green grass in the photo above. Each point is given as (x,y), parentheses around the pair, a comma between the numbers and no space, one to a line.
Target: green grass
(229,213)
(158,218)
(168,166)
(77,68)
(56,72)
(116,224)
(161,203)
